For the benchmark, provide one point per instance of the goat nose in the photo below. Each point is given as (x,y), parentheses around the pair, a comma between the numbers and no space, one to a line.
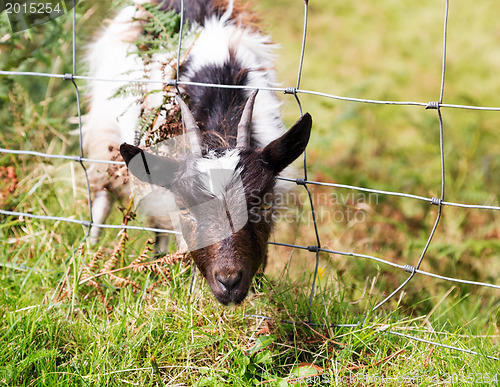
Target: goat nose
(228,281)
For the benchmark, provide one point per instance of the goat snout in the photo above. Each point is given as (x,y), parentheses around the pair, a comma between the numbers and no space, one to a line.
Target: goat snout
(228,280)
(229,285)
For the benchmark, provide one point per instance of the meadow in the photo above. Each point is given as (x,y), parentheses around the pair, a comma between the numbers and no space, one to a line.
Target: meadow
(81,315)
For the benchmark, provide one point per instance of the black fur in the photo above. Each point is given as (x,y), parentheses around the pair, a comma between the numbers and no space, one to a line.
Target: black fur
(194,10)
(284,150)
(148,167)
(218,110)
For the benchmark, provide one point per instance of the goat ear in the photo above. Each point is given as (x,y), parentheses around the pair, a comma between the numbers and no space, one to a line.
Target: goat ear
(148,167)
(284,150)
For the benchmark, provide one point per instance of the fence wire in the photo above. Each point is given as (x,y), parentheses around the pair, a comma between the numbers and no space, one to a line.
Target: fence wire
(304,182)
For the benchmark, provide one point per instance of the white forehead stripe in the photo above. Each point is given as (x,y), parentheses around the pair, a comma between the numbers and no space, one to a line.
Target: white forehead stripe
(219,171)
(227,161)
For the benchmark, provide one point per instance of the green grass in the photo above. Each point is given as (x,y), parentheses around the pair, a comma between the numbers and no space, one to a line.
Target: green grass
(57,330)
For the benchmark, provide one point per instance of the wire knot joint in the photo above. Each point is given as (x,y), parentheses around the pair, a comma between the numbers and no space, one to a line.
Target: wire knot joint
(291,90)
(409,268)
(432,105)
(300,181)
(68,77)
(313,249)
(436,201)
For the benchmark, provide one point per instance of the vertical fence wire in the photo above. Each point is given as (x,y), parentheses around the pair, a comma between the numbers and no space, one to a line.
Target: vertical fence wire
(80,128)
(302,181)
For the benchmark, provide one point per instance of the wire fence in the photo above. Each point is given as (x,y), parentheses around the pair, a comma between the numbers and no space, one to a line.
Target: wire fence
(439,202)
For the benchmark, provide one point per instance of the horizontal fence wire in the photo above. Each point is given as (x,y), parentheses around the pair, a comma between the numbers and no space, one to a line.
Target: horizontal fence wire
(305,182)
(286,90)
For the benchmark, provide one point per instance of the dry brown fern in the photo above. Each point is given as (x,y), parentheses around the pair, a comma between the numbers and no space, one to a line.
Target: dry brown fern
(155,284)
(172,259)
(136,263)
(96,258)
(117,254)
(102,296)
(98,266)
(92,267)
(122,282)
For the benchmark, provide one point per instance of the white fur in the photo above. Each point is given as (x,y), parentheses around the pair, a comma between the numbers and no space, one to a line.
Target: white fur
(228,161)
(212,164)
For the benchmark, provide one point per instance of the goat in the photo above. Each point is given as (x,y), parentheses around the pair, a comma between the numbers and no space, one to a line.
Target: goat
(230,129)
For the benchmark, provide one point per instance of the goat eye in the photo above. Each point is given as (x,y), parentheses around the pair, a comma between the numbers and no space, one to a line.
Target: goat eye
(183,210)
(266,206)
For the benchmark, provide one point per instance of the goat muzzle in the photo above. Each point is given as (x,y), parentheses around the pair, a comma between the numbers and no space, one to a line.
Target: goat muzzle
(230,286)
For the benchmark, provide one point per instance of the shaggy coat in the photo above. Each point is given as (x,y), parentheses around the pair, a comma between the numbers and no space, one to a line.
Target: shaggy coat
(228,49)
